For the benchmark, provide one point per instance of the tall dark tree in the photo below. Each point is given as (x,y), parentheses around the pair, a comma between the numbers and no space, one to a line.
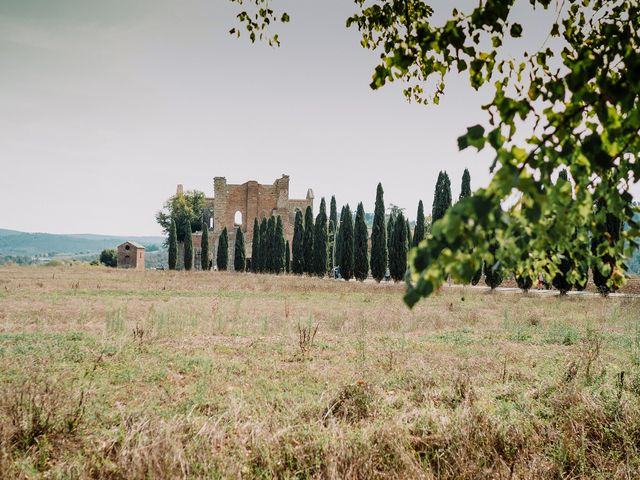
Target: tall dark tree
(278,246)
(333,211)
(379,238)
(264,251)
(270,241)
(320,242)
(582,260)
(255,246)
(346,239)
(173,246)
(338,248)
(287,257)
(493,272)
(222,257)
(442,197)
(360,246)
(398,250)
(465,189)
(418,232)
(391,223)
(297,263)
(188,247)
(308,241)
(204,246)
(239,256)
(333,231)
(408,237)
(437,195)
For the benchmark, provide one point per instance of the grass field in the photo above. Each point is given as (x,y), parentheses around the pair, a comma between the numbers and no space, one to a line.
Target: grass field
(117,374)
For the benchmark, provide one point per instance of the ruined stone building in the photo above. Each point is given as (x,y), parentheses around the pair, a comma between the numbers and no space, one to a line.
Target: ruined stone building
(238,205)
(130,255)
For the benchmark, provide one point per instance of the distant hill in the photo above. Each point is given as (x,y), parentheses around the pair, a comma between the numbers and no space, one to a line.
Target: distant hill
(15,243)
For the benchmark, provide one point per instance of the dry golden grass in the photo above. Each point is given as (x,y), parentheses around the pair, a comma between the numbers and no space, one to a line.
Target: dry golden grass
(118,374)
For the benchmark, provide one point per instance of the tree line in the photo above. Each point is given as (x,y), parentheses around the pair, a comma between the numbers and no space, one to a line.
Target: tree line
(331,243)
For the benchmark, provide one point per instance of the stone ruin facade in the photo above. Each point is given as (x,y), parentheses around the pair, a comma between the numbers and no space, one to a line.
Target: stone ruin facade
(238,205)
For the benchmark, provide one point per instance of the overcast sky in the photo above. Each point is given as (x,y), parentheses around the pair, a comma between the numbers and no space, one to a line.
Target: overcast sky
(106,105)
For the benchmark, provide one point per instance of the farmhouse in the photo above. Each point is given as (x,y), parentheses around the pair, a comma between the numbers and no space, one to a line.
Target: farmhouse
(131,255)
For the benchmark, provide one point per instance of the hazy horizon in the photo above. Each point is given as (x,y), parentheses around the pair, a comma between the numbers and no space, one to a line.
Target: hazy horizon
(109,105)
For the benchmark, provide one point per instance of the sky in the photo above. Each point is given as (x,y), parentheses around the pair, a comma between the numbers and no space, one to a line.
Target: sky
(105,106)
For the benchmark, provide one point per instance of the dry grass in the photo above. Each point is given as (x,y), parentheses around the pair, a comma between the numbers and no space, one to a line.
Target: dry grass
(116,374)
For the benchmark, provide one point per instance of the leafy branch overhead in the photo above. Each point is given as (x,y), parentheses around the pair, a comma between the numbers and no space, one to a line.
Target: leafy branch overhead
(571,104)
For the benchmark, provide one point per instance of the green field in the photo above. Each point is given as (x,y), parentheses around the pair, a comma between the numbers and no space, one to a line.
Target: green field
(107,373)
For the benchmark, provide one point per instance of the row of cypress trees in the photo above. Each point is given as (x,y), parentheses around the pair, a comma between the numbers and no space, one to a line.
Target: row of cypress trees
(270,252)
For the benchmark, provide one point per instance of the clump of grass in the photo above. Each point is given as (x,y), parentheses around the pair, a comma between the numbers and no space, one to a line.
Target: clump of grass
(354,402)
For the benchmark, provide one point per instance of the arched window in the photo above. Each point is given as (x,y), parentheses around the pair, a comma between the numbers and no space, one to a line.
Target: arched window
(237,219)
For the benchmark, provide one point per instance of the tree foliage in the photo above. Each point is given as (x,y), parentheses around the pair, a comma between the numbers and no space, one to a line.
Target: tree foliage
(188,247)
(321,241)
(572,102)
(239,255)
(278,246)
(255,246)
(346,239)
(287,257)
(222,256)
(465,187)
(204,246)
(264,252)
(379,238)
(360,246)
(184,207)
(419,230)
(398,249)
(173,245)
(297,261)
(308,241)
(109,257)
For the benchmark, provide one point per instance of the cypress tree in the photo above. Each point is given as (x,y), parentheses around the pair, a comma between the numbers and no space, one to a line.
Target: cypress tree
(333,230)
(333,212)
(204,246)
(222,258)
(287,257)
(418,232)
(346,238)
(560,281)
(442,197)
(264,252)
(239,258)
(297,264)
(308,241)
(173,246)
(408,237)
(270,260)
(524,281)
(278,246)
(435,208)
(320,241)
(390,229)
(398,250)
(360,246)
(379,250)
(188,247)
(493,272)
(465,189)
(255,246)
(338,254)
